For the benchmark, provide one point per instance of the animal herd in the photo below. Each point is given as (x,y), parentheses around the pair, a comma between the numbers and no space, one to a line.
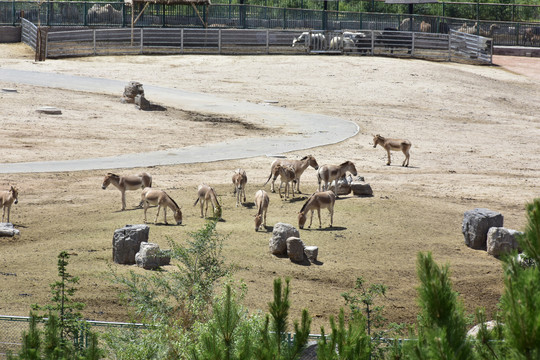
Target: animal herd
(289,171)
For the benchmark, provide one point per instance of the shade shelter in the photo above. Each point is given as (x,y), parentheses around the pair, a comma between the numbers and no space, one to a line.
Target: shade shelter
(192,3)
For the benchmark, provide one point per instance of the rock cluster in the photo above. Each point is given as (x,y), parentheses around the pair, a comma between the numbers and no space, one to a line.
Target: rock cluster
(285,241)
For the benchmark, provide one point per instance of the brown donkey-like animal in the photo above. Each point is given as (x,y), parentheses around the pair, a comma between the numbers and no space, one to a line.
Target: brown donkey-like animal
(130,182)
(160,198)
(317,201)
(206,195)
(8,198)
(261,201)
(393,144)
(239,180)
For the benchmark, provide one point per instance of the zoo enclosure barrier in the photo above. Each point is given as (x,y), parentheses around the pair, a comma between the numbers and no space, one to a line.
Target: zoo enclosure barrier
(442,47)
(12,328)
(117,14)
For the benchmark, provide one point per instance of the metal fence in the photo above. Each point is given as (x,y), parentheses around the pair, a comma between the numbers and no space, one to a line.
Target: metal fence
(12,328)
(117,14)
(91,42)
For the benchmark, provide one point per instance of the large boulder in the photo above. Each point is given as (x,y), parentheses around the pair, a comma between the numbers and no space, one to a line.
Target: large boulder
(278,242)
(150,256)
(131,91)
(142,103)
(341,186)
(476,224)
(127,242)
(7,229)
(490,326)
(360,188)
(501,240)
(295,249)
(312,252)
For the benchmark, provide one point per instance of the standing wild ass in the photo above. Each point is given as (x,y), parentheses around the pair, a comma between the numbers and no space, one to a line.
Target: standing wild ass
(286,175)
(160,198)
(7,198)
(328,173)
(239,180)
(299,167)
(393,144)
(317,201)
(261,201)
(130,182)
(207,194)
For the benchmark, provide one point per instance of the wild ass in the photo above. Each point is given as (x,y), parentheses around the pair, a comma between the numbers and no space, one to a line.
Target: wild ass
(207,194)
(130,182)
(160,198)
(317,201)
(239,180)
(261,201)
(393,144)
(299,167)
(328,173)
(8,198)
(287,175)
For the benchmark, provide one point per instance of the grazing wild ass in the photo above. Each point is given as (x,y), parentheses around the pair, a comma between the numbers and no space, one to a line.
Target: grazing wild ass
(239,180)
(261,201)
(7,198)
(287,175)
(317,201)
(299,167)
(328,173)
(130,182)
(207,194)
(160,198)
(393,144)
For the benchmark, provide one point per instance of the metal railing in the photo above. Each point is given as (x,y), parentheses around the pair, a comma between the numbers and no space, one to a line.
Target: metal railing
(117,14)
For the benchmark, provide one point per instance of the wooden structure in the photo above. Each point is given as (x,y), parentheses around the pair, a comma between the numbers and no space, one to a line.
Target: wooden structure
(192,3)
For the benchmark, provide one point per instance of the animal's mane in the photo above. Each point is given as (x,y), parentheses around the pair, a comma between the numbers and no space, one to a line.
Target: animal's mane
(345,163)
(307,201)
(113,175)
(172,200)
(215,196)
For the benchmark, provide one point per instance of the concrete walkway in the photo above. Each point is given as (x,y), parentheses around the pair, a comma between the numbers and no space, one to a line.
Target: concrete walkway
(294,130)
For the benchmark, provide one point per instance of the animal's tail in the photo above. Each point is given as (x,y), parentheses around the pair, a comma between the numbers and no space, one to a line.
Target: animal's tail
(268,179)
(196,201)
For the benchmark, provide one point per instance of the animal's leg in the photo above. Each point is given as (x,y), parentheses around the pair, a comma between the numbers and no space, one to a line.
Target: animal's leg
(298,186)
(206,208)
(264,218)
(145,208)
(319,213)
(244,192)
(311,219)
(3,214)
(123,200)
(279,190)
(407,156)
(388,152)
(272,186)
(331,209)
(165,214)
(292,188)
(202,209)
(158,208)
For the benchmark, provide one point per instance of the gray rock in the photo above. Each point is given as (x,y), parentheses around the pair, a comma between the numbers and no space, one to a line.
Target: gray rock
(151,257)
(360,188)
(127,242)
(501,240)
(295,249)
(476,224)
(473,332)
(131,90)
(278,242)
(7,229)
(142,103)
(312,252)
(341,186)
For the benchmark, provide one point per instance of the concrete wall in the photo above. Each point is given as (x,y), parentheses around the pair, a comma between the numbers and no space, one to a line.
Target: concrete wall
(10,34)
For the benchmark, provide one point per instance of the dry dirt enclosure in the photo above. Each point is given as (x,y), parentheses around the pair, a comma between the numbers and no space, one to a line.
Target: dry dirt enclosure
(474,131)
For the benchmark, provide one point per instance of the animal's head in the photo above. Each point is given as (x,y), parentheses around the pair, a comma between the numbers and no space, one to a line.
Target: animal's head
(15,193)
(312,162)
(376,139)
(275,171)
(301,38)
(258,221)
(301,219)
(352,168)
(178,216)
(218,211)
(107,180)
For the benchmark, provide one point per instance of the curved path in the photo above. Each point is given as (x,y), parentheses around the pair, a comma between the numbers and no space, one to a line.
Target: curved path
(294,130)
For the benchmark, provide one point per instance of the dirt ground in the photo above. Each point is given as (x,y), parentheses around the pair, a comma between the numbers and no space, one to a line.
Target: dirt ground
(474,131)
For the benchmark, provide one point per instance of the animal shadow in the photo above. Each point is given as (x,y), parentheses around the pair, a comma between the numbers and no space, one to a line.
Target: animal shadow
(329,228)
(249,205)
(296,199)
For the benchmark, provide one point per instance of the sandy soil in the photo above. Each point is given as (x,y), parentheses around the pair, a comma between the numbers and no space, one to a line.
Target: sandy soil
(474,131)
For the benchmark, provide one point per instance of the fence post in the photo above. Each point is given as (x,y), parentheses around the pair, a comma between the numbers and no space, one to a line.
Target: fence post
(142,40)
(219,41)
(412,45)
(450,46)
(163,15)
(182,40)
(94,34)
(267,41)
